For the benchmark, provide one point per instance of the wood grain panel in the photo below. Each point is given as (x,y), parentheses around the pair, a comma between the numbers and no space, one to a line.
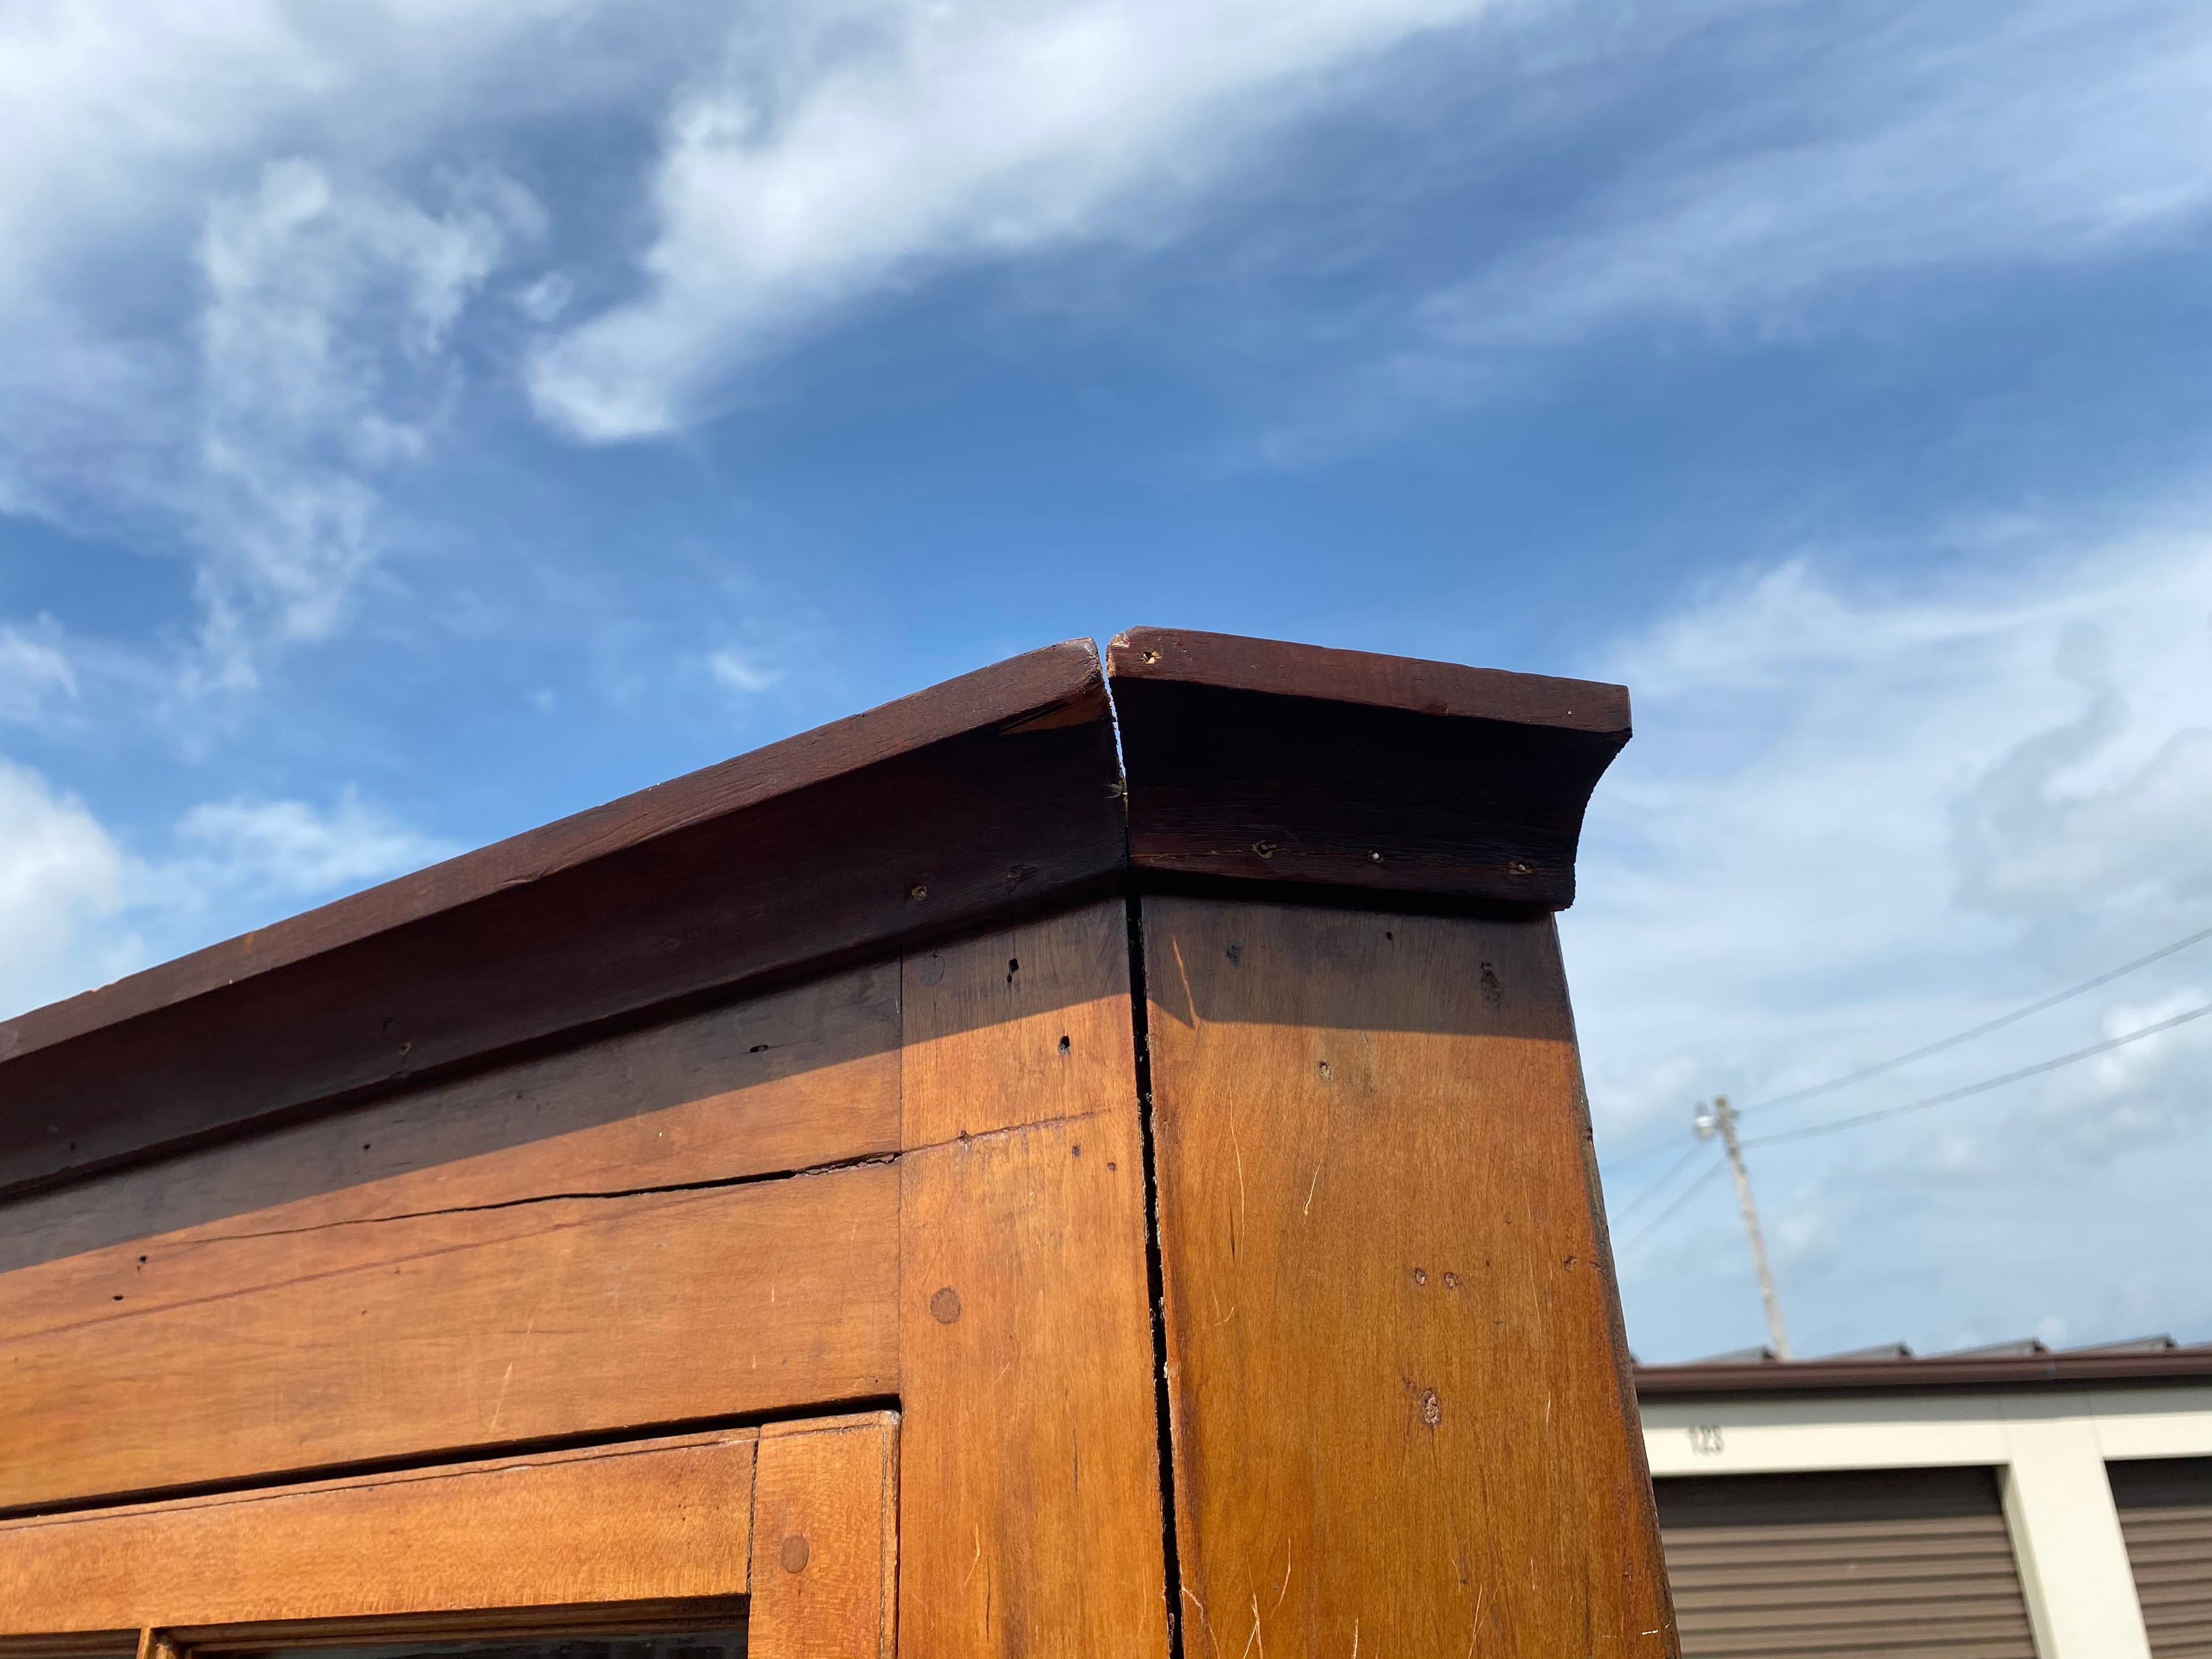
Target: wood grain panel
(1029,1504)
(469,1330)
(802,1078)
(1400,1411)
(1023,1024)
(651,1519)
(825,1540)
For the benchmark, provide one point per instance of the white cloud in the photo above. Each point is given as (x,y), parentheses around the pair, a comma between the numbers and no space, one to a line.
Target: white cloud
(1959,139)
(323,366)
(813,158)
(291,850)
(2148,1095)
(850,148)
(35,671)
(217,326)
(62,882)
(78,907)
(1858,816)
(741,672)
(545,300)
(1942,773)
(240,248)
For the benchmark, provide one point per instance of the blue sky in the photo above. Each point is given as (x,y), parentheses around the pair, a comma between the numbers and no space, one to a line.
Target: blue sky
(419,422)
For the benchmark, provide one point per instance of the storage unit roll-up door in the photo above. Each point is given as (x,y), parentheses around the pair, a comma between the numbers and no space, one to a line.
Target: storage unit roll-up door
(2165,1515)
(1892,1562)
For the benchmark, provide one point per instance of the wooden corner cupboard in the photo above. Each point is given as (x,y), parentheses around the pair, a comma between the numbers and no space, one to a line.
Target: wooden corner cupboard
(1087,1160)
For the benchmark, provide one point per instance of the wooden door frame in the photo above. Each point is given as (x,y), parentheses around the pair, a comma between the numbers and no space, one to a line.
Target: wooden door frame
(791,1524)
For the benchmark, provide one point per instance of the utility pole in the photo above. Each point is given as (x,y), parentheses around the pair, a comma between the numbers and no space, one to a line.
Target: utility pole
(1720,1119)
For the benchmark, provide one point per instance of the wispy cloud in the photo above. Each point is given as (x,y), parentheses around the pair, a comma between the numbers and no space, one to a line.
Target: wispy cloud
(1861,814)
(1728,175)
(221,326)
(852,149)
(290,850)
(741,672)
(247,241)
(64,884)
(1868,142)
(79,905)
(324,366)
(35,671)
(254,251)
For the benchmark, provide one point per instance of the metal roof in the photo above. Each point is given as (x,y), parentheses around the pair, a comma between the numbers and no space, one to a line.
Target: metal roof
(1894,1368)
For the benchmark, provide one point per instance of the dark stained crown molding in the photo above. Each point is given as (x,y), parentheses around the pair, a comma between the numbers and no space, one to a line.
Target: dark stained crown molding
(1254,760)
(988,793)
(1249,760)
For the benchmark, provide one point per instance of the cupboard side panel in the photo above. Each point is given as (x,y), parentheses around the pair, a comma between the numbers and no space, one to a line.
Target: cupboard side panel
(1398,1416)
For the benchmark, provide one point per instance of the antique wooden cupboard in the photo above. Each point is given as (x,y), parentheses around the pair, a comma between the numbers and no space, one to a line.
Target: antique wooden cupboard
(1087,1160)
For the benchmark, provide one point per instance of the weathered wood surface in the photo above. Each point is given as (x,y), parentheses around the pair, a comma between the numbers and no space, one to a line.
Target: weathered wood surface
(1256,761)
(825,1540)
(651,1519)
(1399,1396)
(995,791)
(1029,1504)
(790,1081)
(1024,1024)
(460,1330)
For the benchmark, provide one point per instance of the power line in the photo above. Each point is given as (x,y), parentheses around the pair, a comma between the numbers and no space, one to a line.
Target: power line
(1949,1094)
(1644,1197)
(1936,1047)
(1682,1198)
(1983,1029)
(1722,1118)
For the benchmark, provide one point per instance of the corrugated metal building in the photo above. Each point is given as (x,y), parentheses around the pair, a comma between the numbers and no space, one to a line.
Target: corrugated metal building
(2002,1502)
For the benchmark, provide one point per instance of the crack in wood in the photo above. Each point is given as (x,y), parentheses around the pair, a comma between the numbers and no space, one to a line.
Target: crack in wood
(713,1184)
(597,1195)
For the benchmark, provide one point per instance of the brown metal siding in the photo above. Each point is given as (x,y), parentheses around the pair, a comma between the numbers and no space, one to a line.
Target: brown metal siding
(2165,1515)
(1899,1563)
